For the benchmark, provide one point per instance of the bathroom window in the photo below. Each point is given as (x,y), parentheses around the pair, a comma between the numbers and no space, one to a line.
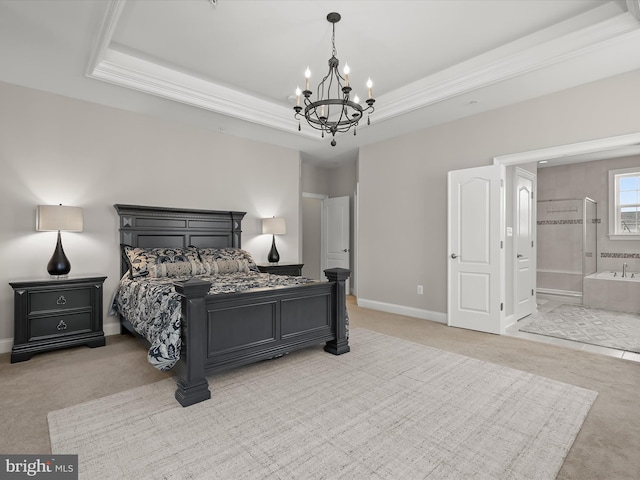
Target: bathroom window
(624,203)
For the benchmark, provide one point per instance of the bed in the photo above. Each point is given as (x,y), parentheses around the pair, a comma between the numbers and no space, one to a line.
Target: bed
(228,329)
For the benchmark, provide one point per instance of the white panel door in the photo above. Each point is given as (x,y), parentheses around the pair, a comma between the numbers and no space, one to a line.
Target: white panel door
(476,254)
(524,277)
(335,233)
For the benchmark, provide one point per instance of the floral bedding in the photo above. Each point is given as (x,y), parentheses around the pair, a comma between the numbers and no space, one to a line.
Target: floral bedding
(153,307)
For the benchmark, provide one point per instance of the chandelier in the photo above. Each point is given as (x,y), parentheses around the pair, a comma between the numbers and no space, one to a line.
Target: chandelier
(334,110)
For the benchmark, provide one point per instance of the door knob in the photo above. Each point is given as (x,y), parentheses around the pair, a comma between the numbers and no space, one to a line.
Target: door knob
(520,255)
(453,255)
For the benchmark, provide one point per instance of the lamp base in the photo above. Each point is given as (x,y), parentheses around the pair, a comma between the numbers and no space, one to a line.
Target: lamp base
(59,264)
(274,256)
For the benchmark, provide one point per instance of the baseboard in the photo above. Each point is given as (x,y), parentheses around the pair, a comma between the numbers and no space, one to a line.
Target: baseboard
(111,328)
(509,320)
(5,345)
(558,292)
(565,296)
(403,310)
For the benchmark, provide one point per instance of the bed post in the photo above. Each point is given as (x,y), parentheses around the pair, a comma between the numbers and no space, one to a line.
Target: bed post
(340,344)
(192,383)
(236,232)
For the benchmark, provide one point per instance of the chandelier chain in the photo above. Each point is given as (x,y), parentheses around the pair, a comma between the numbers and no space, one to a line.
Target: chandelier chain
(334,52)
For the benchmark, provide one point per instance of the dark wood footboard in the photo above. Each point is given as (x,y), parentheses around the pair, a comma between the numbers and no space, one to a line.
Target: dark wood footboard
(226,331)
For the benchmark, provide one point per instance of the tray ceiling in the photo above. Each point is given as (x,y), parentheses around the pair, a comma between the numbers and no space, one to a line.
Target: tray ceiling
(231,66)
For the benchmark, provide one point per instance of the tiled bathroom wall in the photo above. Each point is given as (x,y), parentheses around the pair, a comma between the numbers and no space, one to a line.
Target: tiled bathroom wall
(578,180)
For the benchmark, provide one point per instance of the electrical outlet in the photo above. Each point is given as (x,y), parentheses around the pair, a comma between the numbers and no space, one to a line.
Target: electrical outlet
(420,290)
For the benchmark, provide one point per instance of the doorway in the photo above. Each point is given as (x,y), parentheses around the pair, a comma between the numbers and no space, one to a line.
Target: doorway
(595,149)
(555,275)
(327,229)
(336,236)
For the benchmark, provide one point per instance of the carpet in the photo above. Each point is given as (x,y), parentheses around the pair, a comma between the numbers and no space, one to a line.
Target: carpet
(589,325)
(389,409)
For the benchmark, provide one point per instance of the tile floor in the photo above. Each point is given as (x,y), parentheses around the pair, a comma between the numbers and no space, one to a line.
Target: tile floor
(544,305)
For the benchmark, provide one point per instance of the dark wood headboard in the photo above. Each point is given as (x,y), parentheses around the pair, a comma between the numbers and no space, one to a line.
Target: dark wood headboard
(144,226)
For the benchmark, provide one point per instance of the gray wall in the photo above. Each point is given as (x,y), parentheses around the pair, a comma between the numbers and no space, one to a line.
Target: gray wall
(343,179)
(314,179)
(403,181)
(57,150)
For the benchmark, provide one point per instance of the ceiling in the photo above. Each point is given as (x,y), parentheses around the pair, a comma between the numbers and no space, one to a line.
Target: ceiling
(232,66)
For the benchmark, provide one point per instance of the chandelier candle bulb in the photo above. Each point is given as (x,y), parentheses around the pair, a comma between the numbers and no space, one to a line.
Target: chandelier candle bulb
(298,92)
(346,75)
(307,76)
(370,86)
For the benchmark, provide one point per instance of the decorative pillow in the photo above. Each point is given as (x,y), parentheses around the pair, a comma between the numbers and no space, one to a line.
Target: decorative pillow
(226,266)
(213,256)
(177,269)
(140,260)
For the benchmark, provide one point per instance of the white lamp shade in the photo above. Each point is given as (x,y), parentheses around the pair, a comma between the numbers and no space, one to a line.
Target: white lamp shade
(274,226)
(51,218)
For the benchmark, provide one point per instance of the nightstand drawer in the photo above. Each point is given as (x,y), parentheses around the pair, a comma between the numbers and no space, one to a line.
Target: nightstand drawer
(59,325)
(59,300)
(293,269)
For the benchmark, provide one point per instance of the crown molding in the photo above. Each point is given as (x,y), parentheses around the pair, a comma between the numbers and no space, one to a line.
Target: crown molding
(133,72)
(105,33)
(599,145)
(542,49)
(483,71)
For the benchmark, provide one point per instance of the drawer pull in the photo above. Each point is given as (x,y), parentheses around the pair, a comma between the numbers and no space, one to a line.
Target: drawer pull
(62,326)
(61,300)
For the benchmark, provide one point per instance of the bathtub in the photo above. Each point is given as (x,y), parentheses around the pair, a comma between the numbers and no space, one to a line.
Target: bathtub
(631,276)
(612,291)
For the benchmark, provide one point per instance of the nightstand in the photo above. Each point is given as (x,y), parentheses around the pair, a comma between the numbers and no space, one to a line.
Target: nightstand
(56,313)
(294,269)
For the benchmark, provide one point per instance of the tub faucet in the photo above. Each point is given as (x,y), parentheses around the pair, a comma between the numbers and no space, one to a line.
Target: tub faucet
(624,270)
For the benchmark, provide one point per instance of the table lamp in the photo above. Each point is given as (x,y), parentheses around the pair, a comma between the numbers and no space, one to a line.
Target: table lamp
(274,226)
(51,218)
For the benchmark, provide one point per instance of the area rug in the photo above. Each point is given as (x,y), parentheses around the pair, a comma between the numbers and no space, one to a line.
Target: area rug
(589,325)
(389,409)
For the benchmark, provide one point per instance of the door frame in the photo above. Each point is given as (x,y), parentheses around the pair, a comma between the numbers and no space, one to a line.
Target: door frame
(601,145)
